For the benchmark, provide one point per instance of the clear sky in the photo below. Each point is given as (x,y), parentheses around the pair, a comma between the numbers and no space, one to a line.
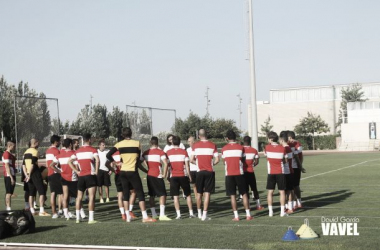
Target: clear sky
(163,53)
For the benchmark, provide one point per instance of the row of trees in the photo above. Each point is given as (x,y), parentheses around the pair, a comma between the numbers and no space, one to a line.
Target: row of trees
(33,115)
(216,128)
(34,118)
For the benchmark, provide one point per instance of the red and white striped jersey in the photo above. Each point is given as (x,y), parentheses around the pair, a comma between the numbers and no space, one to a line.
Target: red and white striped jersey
(275,154)
(153,158)
(177,158)
(51,153)
(232,154)
(63,159)
(289,153)
(11,160)
(250,155)
(86,160)
(204,152)
(117,158)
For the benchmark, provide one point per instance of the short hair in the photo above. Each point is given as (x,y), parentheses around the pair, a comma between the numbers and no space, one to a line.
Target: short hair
(231,135)
(284,135)
(67,142)
(75,140)
(202,132)
(9,143)
(167,138)
(101,141)
(154,141)
(86,137)
(176,140)
(55,138)
(273,135)
(30,142)
(247,140)
(126,132)
(291,134)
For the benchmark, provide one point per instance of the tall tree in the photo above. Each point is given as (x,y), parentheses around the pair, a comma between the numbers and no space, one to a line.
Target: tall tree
(311,125)
(144,123)
(7,93)
(353,93)
(115,120)
(100,124)
(267,127)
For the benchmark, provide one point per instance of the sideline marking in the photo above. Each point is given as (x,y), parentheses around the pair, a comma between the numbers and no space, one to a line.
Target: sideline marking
(331,171)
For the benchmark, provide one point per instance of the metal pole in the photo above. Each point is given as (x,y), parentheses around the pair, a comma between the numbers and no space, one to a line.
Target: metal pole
(59,129)
(17,145)
(252,78)
(151,122)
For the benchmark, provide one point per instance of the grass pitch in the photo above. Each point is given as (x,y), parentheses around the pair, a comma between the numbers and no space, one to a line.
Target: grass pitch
(339,184)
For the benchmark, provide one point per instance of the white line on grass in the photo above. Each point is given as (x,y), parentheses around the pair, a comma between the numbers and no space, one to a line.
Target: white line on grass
(331,171)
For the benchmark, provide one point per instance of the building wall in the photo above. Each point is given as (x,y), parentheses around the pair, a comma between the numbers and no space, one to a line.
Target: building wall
(287,106)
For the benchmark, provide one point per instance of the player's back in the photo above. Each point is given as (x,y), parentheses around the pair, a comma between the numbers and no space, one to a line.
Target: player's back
(250,155)
(153,157)
(86,157)
(205,151)
(275,154)
(31,159)
(177,158)
(129,154)
(232,154)
(51,153)
(63,159)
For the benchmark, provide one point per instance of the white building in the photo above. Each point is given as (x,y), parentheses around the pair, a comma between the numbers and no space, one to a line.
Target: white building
(287,106)
(361,131)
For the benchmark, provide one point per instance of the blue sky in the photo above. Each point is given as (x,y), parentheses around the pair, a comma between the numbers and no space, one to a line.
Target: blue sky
(165,53)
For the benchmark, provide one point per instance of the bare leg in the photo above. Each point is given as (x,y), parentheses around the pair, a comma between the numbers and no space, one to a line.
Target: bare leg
(100,192)
(189,202)
(8,200)
(91,198)
(199,201)
(120,199)
(52,203)
(107,191)
(206,201)
(233,203)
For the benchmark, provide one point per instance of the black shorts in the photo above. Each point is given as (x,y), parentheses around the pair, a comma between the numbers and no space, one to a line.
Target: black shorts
(250,181)
(289,182)
(55,183)
(131,180)
(119,187)
(156,186)
(296,177)
(234,181)
(104,179)
(205,182)
(274,179)
(85,182)
(9,188)
(36,183)
(177,182)
(193,175)
(72,186)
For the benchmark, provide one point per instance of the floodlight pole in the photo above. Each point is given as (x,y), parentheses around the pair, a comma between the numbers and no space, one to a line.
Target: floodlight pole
(17,151)
(255,142)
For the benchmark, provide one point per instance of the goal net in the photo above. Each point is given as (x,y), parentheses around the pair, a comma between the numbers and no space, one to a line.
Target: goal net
(35,117)
(146,122)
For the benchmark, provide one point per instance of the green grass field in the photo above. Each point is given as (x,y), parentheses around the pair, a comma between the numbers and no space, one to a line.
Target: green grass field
(328,190)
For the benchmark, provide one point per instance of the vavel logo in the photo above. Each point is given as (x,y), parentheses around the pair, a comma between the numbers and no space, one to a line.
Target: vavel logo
(340,226)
